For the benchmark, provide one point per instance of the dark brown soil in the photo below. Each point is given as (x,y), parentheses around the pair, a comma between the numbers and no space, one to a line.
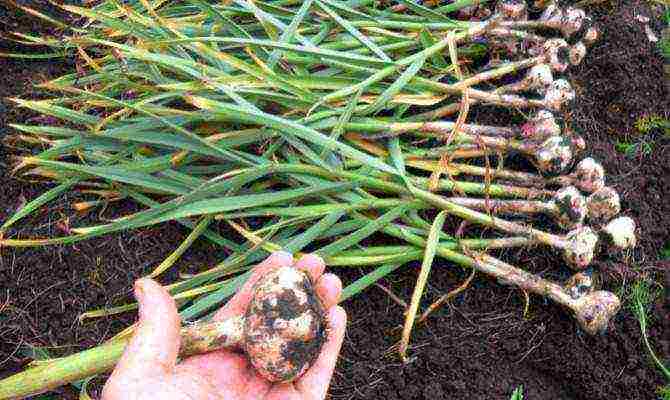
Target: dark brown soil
(478,347)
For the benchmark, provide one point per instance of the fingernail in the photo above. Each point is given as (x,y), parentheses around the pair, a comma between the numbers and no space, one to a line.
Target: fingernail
(317,258)
(140,292)
(282,255)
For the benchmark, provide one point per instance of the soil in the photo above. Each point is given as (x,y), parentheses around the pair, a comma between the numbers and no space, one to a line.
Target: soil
(479,346)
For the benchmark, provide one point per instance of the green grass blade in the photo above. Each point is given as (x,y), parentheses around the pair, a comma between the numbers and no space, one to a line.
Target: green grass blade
(342,6)
(226,22)
(288,34)
(427,40)
(38,202)
(230,203)
(398,160)
(320,209)
(338,130)
(458,5)
(382,100)
(426,12)
(179,251)
(185,132)
(353,31)
(359,261)
(43,107)
(121,25)
(360,86)
(117,174)
(313,232)
(235,113)
(212,236)
(42,56)
(366,281)
(429,256)
(307,151)
(316,52)
(362,233)
(55,131)
(216,299)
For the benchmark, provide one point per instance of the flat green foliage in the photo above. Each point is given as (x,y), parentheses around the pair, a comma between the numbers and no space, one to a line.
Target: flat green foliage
(213,114)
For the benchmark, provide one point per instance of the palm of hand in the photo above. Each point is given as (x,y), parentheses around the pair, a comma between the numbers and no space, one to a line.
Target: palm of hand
(149,368)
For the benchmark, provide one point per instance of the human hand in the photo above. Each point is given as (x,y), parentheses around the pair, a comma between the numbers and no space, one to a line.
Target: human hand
(148,368)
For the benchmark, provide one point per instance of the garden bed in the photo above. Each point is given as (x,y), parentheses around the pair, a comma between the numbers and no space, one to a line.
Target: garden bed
(479,346)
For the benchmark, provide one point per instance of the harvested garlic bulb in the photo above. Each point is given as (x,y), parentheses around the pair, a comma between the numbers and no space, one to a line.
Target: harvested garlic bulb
(282,331)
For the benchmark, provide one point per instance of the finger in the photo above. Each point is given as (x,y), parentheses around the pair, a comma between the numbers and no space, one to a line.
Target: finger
(155,344)
(314,384)
(328,289)
(312,264)
(238,304)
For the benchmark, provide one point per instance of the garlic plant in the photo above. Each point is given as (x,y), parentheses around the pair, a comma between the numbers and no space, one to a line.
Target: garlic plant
(313,125)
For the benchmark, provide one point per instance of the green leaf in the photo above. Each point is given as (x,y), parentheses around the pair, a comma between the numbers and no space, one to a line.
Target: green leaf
(38,202)
(313,232)
(216,299)
(458,5)
(518,393)
(382,100)
(290,31)
(427,40)
(122,25)
(117,174)
(235,113)
(366,281)
(317,52)
(338,130)
(33,352)
(431,15)
(197,231)
(353,31)
(44,107)
(429,255)
(227,23)
(220,205)
(362,233)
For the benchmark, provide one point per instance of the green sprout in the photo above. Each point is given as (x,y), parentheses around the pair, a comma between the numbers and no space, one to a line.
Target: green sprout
(664,43)
(631,149)
(651,122)
(517,394)
(665,252)
(642,296)
(664,392)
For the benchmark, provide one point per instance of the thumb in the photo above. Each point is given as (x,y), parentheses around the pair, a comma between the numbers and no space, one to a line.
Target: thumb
(155,345)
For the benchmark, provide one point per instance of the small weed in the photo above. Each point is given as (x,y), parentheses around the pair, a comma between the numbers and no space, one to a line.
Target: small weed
(664,46)
(648,123)
(642,294)
(665,252)
(649,126)
(664,43)
(664,392)
(517,394)
(632,149)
